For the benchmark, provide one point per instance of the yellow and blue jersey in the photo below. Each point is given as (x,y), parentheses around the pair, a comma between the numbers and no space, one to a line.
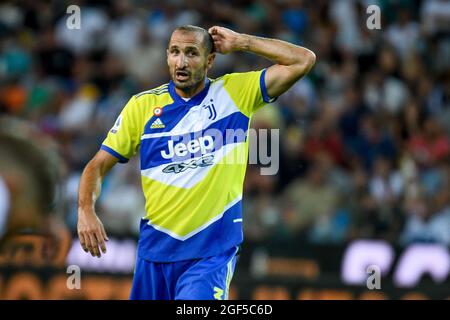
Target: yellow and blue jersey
(193,157)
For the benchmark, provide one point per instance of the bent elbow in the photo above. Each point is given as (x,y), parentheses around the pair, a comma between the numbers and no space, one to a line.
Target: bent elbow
(311,59)
(308,61)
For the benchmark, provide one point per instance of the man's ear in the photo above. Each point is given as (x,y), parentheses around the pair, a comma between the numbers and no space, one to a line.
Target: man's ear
(167,56)
(210,60)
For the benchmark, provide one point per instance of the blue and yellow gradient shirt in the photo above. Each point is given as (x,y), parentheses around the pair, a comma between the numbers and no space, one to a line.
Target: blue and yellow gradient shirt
(193,160)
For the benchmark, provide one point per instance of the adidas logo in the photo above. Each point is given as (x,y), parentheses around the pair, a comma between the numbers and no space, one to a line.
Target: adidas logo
(157,124)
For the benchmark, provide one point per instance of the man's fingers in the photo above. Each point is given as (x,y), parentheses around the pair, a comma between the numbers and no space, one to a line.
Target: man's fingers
(82,242)
(94,245)
(216,31)
(104,234)
(89,244)
(101,241)
(212,30)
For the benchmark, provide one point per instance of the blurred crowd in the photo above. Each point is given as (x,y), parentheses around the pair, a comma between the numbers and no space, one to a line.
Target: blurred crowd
(364,138)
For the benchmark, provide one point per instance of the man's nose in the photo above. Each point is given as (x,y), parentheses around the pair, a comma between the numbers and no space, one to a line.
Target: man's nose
(181,61)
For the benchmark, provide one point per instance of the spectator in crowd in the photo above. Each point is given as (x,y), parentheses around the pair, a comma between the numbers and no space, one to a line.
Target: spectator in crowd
(310,201)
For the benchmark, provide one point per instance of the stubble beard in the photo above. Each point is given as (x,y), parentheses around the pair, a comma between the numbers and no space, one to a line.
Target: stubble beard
(190,85)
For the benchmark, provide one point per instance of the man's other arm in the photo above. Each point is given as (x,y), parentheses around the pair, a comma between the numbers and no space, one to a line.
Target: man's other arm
(292,62)
(90,229)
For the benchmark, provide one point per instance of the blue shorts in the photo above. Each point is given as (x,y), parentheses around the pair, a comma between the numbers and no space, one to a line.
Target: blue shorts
(198,279)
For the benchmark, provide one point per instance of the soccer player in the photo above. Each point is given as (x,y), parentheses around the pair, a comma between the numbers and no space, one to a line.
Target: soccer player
(190,235)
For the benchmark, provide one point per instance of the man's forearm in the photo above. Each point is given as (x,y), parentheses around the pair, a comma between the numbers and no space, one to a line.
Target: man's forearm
(91,179)
(90,187)
(278,51)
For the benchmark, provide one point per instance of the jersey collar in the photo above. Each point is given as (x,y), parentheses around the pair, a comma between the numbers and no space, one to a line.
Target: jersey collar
(195,100)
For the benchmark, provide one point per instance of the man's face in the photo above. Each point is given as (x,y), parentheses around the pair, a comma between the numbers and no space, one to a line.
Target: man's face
(187,59)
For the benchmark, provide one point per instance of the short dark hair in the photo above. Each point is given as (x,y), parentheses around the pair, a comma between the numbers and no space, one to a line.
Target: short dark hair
(207,39)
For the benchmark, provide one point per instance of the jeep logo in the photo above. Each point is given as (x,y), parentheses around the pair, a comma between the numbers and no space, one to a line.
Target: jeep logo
(181,149)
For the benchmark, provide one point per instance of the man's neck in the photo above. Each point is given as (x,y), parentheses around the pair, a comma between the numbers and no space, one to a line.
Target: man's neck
(190,92)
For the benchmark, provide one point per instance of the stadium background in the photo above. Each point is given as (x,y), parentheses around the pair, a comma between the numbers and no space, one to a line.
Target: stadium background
(364,142)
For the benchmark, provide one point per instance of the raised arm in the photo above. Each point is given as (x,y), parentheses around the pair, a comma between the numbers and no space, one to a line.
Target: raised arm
(291,62)
(90,229)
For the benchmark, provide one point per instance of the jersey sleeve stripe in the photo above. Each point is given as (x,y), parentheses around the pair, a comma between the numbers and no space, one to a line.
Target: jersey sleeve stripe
(262,84)
(121,158)
(156,91)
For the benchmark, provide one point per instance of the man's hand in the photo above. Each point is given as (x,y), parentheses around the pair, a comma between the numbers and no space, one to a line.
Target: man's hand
(90,228)
(91,232)
(226,40)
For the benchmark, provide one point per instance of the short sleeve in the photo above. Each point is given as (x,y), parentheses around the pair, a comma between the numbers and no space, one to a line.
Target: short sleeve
(248,90)
(123,139)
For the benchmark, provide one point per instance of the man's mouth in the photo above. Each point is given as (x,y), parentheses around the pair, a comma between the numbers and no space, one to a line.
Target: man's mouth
(181,75)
